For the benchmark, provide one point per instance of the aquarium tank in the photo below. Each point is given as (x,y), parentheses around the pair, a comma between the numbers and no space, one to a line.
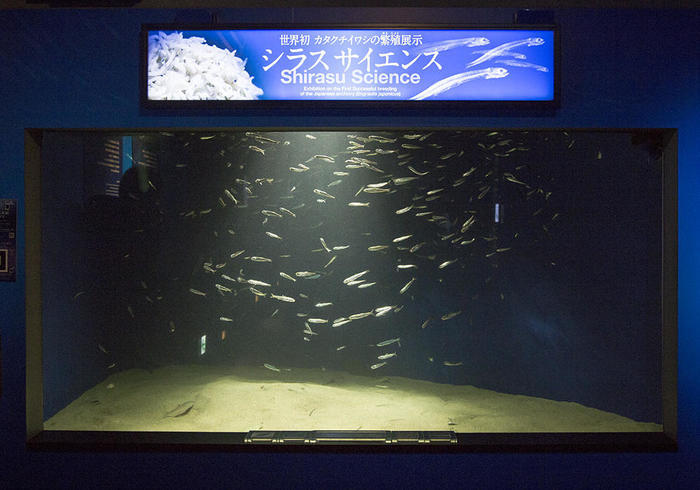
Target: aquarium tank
(461,280)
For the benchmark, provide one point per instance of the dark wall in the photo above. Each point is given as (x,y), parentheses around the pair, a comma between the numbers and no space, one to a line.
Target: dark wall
(619,69)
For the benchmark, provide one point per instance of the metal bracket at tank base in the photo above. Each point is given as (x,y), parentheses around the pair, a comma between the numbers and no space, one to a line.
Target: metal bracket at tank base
(351,437)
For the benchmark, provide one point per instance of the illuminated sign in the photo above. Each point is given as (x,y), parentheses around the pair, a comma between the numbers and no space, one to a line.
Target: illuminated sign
(364,64)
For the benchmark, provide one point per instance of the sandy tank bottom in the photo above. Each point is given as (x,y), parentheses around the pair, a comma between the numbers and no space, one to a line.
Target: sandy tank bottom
(242,398)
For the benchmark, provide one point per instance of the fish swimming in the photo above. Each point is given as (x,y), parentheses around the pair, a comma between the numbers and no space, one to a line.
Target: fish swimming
(286,299)
(450,315)
(355,276)
(377,248)
(287,276)
(403,180)
(323,193)
(388,342)
(255,282)
(455,80)
(407,285)
(446,263)
(504,48)
(524,64)
(448,363)
(438,47)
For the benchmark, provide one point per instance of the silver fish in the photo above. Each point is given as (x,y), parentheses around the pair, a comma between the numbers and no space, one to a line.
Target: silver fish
(359,316)
(305,273)
(437,47)
(225,319)
(287,276)
(197,292)
(317,320)
(267,212)
(285,210)
(323,193)
(257,148)
(330,261)
(403,180)
(378,365)
(286,299)
(446,263)
(323,243)
(230,196)
(378,184)
(223,288)
(382,310)
(406,266)
(425,323)
(273,235)
(325,158)
(358,204)
(257,292)
(377,248)
(407,285)
(310,136)
(404,210)
(366,285)
(505,47)
(524,64)
(448,363)
(388,342)
(340,321)
(401,238)
(322,305)
(386,356)
(416,247)
(255,282)
(343,247)
(271,367)
(255,258)
(416,171)
(458,79)
(355,276)
(448,316)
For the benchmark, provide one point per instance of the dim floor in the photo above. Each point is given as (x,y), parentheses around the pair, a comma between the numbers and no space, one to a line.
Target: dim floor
(243,398)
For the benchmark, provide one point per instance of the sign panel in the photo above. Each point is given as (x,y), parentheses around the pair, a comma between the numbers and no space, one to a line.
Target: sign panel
(362,64)
(8,239)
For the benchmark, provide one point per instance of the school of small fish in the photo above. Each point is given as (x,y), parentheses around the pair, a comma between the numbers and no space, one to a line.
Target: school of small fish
(355,240)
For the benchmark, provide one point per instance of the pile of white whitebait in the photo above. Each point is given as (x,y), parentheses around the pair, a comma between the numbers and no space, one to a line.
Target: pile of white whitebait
(189,69)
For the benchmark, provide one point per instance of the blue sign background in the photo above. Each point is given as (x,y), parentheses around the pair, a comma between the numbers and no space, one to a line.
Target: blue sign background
(400,64)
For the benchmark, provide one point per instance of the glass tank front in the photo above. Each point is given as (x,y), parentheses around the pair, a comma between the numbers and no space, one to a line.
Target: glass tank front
(454,280)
